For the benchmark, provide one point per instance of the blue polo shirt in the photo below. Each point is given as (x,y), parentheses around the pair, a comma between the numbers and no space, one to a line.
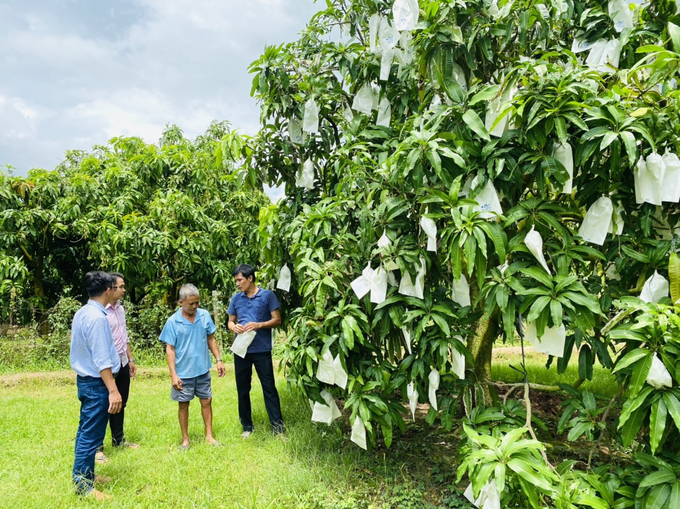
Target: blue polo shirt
(192,355)
(257,308)
(92,347)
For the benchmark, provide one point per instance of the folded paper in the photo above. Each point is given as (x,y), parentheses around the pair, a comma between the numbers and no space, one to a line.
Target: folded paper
(388,35)
(373,25)
(295,131)
(310,122)
(325,372)
(604,55)
(596,223)
(488,496)
(659,376)
(655,288)
(242,342)
(386,64)
(487,200)
(384,241)
(620,14)
(410,289)
(384,113)
(326,413)
(458,364)
(461,291)
(306,176)
(430,229)
(284,279)
(379,286)
(433,380)
(412,394)
(366,100)
(405,14)
(362,284)
(670,188)
(339,372)
(534,243)
(359,433)
(407,339)
(551,342)
(564,154)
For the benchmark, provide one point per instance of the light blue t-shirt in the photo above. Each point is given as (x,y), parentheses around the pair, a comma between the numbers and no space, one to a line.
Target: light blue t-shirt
(92,347)
(192,355)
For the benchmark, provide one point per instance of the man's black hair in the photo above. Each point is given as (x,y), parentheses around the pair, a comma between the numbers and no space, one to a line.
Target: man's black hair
(97,282)
(247,271)
(115,275)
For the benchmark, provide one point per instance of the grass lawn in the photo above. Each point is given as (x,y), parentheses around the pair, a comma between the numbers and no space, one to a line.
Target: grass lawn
(318,467)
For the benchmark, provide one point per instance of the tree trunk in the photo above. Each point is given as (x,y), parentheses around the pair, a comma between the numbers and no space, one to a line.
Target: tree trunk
(480,345)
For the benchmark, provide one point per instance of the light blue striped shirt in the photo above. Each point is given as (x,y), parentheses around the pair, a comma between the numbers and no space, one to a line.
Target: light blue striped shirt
(92,347)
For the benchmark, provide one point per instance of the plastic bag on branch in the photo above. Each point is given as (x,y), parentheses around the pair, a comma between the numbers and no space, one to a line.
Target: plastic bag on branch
(386,64)
(488,497)
(306,177)
(379,286)
(620,14)
(406,55)
(384,113)
(659,376)
(650,177)
(457,360)
(405,14)
(596,223)
(534,243)
(407,339)
(433,380)
(460,291)
(373,26)
(670,189)
(604,54)
(295,131)
(654,289)
(410,289)
(388,36)
(551,342)
(326,413)
(340,373)
(310,122)
(284,279)
(564,154)
(617,223)
(359,433)
(366,100)
(362,284)
(242,342)
(412,394)
(325,372)
(487,200)
(430,229)
(384,241)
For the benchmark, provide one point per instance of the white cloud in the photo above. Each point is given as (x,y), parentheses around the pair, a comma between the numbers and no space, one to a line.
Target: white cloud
(76,72)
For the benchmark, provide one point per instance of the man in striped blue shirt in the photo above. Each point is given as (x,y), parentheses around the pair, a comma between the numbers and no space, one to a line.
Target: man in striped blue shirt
(96,362)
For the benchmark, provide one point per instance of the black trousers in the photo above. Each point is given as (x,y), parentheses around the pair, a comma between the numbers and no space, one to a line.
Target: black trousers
(116,420)
(265,372)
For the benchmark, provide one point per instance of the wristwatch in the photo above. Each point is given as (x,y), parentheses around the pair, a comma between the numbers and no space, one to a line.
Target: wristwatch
(218,360)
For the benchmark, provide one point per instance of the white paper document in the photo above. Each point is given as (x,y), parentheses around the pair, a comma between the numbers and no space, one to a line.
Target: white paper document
(242,342)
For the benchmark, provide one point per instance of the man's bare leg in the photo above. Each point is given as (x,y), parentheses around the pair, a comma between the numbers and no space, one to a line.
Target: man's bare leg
(206,411)
(183,414)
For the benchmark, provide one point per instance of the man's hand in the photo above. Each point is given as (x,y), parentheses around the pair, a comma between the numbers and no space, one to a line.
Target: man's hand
(238,328)
(133,369)
(115,402)
(221,370)
(251,326)
(177,383)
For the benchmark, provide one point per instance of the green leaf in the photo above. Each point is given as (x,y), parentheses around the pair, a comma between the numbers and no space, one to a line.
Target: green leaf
(674,276)
(656,498)
(673,406)
(630,358)
(657,423)
(663,476)
(630,429)
(585,363)
(640,373)
(674,32)
(475,123)
(628,139)
(524,470)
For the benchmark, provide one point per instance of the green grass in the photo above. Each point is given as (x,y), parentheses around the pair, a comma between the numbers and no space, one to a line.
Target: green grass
(316,468)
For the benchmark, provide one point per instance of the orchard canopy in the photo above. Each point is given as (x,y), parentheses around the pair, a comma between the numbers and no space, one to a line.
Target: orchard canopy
(457,172)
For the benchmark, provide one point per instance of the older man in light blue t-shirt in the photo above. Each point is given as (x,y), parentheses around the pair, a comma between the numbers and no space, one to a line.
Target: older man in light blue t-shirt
(189,337)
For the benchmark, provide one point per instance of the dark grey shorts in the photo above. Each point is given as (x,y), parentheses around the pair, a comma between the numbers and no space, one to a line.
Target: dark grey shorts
(198,386)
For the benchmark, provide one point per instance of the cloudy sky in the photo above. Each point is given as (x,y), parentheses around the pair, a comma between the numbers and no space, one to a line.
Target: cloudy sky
(74,73)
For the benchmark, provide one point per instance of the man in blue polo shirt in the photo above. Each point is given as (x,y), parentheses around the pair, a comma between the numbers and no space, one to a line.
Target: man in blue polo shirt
(255,309)
(95,360)
(189,337)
